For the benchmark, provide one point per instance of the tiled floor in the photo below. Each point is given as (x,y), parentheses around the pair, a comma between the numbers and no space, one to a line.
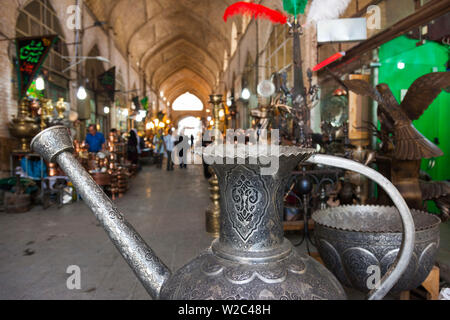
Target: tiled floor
(166,208)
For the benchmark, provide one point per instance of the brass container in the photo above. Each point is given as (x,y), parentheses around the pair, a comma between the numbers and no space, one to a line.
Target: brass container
(23,127)
(48,108)
(60,108)
(213,211)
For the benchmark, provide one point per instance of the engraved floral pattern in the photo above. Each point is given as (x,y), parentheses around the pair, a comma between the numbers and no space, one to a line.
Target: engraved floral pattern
(245,197)
(248,201)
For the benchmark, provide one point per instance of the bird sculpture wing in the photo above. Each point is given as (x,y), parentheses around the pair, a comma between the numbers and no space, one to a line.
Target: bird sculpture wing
(363,88)
(434,189)
(439,192)
(423,92)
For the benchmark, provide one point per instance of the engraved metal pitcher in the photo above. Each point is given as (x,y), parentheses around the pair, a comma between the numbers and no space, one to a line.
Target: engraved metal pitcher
(251,259)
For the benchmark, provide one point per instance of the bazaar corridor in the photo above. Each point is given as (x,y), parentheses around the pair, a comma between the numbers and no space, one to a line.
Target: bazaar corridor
(166,208)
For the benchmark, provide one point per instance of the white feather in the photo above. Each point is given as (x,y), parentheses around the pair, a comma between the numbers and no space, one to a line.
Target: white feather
(326,10)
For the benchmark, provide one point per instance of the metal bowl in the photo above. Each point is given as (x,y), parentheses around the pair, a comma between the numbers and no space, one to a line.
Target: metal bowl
(352,240)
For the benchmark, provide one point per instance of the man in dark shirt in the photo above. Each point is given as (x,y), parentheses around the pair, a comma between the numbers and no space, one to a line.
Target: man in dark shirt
(95,140)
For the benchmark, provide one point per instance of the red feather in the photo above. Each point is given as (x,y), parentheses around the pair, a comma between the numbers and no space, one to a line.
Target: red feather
(255,11)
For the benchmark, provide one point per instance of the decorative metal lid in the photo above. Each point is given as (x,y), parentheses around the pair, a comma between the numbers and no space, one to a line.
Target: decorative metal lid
(371,219)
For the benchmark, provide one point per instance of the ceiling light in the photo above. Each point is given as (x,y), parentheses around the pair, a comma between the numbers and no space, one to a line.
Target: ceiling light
(81,94)
(40,84)
(245,94)
(106,110)
(401,65)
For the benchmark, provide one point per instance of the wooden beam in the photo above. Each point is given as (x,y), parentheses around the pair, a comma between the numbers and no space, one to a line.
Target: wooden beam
(363,11)
(428,12)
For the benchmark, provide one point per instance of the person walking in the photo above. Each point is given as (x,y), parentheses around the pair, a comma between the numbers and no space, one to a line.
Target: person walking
(158,142)
(181,152)
(169,144)
(95,140)
(132,148)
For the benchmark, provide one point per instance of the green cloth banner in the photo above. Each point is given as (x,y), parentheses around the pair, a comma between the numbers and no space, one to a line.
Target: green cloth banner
(108,82)
(31,54)
(144,103)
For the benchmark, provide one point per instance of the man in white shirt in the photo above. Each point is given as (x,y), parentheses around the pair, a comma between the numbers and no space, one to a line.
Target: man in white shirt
(169,144)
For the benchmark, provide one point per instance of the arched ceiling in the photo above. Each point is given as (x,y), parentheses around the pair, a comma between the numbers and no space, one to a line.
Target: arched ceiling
(178,44)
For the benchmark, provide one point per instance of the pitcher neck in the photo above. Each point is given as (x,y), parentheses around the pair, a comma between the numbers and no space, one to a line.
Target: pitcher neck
(251,204)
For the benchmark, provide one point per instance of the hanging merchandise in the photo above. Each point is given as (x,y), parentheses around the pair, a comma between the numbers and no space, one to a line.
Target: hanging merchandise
(108,82)
(136,102)
(255,11)
(31,53)
(144,103)
(295,7)
(326,10)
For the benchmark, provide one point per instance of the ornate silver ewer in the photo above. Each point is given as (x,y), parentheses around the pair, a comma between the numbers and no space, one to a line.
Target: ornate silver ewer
(251,259)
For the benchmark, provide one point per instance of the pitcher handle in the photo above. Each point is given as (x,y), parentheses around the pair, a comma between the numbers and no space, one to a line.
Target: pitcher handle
(406,250)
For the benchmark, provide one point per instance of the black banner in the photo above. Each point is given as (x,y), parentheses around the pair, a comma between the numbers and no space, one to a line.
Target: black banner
(136,102)
(31,53)
(108,82)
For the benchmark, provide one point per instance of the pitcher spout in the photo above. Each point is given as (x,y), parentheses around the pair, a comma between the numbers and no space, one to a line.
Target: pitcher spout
(55,145)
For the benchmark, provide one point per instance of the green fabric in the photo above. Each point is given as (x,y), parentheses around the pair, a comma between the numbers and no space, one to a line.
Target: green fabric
(295,7)
(144,103)
(430,57)
(419,61)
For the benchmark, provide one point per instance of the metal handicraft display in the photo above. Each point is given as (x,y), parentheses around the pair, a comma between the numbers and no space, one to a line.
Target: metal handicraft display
(239,265)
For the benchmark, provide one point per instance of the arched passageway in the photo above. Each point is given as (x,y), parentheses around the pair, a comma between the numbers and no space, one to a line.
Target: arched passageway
(190,126)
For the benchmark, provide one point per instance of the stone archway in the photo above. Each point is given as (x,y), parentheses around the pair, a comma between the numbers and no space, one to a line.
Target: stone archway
(190,126)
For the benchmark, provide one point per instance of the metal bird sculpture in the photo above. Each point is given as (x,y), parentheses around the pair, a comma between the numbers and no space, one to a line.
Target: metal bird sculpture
(407,146)
(437,191)
(397,118)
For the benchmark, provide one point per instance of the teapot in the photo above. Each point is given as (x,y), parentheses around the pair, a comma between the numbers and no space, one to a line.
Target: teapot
(251,259)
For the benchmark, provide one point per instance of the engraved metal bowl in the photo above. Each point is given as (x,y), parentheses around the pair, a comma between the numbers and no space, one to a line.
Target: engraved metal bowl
(350,239)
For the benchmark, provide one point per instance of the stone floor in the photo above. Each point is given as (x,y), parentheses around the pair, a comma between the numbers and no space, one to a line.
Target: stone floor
(166,208)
